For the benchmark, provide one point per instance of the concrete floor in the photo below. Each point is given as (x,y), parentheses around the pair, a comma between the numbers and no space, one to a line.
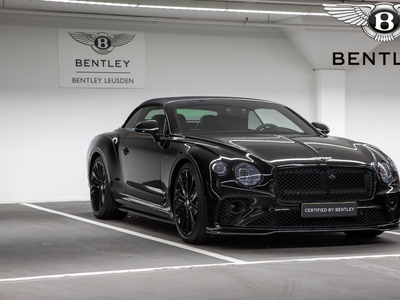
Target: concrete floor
(60,251)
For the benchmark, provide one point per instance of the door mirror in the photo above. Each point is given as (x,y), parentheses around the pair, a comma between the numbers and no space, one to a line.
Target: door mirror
(321,127)
(148,126)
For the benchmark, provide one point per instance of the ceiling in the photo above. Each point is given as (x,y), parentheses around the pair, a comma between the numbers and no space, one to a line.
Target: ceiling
(305,24)
(248,12)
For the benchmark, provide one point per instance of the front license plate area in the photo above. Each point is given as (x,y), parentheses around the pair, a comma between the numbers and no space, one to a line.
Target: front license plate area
(329,210)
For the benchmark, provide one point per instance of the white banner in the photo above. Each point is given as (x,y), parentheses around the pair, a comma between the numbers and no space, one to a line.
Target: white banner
(90,58)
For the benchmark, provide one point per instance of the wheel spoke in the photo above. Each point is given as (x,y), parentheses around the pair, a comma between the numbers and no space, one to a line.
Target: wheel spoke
(193,197)
(182,187)
(179,197)
(180,217)
(94,189)
(95,178)
(186,202)
(187,223)
(98,186)
(179,210)
(194,210)
(194,201)
(185,183)
(192,186)
(192,219)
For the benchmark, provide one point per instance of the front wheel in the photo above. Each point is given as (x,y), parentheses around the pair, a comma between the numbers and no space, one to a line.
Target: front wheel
(103,205)
(189,206)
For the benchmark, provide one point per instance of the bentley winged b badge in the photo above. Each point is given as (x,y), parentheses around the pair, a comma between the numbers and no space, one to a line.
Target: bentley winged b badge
(102,43)
(380,21)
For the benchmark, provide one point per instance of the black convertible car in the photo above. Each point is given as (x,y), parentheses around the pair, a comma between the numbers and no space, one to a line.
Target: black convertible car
(215,165)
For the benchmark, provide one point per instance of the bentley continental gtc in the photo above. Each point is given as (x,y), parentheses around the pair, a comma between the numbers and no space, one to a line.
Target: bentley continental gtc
(215,165)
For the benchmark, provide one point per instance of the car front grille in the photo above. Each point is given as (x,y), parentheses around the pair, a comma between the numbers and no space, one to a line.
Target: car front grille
(323,183)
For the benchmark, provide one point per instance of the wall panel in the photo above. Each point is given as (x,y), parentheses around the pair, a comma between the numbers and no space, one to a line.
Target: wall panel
(46,129)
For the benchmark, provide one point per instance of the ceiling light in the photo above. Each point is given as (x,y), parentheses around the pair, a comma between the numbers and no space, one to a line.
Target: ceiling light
(192,8)
(275,12)
(92,3)
(182,8)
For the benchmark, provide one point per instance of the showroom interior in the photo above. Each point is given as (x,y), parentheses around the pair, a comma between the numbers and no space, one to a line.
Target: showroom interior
(283,51)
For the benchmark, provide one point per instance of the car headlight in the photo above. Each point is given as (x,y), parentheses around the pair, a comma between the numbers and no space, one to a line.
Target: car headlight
(385,172)
(220,168)
(247,174)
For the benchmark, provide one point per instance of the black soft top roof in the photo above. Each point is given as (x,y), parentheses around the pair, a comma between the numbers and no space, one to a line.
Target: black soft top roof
(163,101)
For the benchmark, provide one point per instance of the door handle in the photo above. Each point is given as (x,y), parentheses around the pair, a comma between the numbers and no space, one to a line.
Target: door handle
(125,150)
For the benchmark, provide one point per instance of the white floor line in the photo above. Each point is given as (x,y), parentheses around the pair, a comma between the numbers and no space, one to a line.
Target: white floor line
(88,274)
(141,235)
(392,232)
(118,272)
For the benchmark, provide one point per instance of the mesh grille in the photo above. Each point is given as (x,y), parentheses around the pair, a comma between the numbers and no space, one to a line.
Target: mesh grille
(316,184)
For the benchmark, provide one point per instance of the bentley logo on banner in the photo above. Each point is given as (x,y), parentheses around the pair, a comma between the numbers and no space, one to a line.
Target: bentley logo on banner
(380,21)
(102,42)
(100,59)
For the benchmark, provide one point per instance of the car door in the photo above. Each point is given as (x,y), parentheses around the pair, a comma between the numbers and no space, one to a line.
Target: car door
(140,160)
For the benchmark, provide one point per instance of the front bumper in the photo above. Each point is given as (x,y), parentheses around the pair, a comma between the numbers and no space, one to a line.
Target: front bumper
(251,216)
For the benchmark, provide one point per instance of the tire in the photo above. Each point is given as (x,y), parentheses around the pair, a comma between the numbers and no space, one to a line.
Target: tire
(103,205)
(364,233)
(189,206)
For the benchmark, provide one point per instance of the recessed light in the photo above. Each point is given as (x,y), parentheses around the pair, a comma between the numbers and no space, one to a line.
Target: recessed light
(193,8)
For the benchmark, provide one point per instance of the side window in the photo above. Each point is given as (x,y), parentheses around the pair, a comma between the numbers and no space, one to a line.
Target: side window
(153,113)
(147,113)
(132,121)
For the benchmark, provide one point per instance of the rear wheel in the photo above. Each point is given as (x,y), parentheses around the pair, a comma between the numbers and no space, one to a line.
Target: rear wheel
(189,206)
(364,233)
(102,203)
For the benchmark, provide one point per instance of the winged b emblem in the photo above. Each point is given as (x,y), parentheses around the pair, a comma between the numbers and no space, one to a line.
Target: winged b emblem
(380,21)
(102,42)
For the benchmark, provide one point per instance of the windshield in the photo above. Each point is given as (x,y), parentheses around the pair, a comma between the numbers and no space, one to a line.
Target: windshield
(199,117)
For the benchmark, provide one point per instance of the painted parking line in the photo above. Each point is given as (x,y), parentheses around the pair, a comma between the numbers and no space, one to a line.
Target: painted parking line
(144,270)
(393,232)
(137,234)
(231,261)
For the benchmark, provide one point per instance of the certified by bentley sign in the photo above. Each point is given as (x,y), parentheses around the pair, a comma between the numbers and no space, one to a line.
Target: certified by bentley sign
(101,59)
(380,21)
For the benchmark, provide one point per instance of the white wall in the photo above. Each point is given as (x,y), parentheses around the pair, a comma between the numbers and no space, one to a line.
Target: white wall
(330,99)
(373,102)
(46,130)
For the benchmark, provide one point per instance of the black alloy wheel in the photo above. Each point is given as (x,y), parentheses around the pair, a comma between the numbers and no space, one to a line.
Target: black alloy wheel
(103,205)
(189,206)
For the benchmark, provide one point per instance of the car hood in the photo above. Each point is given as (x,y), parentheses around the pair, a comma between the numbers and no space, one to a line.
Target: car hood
(279,150)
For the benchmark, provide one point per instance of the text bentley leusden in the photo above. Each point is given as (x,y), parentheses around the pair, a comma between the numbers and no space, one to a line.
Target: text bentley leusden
(103,64)
(109,80)
(358,58)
